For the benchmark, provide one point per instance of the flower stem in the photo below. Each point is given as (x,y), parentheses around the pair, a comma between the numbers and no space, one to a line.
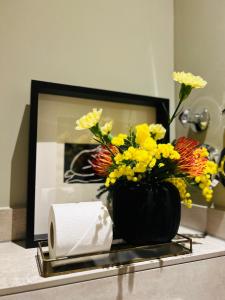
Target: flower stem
(185,91)
(97,133)
(175,112)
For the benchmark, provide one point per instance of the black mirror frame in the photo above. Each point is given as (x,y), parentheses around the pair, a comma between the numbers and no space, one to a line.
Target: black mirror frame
(40,87)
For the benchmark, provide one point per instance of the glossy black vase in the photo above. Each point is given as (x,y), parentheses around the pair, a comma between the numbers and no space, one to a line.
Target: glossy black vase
(146,215)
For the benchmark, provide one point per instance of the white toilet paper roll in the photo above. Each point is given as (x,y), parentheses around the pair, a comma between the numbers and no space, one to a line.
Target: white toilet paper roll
(78,228)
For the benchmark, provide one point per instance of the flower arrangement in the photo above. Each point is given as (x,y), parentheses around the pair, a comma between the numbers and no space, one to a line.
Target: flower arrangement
(141,157)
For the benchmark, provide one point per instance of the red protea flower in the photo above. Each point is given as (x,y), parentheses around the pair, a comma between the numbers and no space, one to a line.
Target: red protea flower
(103,160)
(192,157)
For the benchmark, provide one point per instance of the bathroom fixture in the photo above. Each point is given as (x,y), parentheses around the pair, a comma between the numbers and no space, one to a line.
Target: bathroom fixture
(199,121)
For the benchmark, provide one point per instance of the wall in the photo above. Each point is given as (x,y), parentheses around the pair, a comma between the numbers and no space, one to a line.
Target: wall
(200,48)
(116,45)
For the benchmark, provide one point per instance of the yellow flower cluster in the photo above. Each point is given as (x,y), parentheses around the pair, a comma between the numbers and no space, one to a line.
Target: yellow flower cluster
(89,120)
(107,128)
(122,170)
(166,151)
(119,139)
(146,134)
(180,184)
(132,154)
(210,168)
(201,152)
(142,160)
(189,79)
(142,133)
(204,181)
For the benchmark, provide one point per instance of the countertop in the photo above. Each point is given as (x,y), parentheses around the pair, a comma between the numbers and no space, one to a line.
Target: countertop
(19,272)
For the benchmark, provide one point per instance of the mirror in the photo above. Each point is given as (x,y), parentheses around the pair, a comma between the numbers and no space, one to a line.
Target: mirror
(199,49)
(59,171)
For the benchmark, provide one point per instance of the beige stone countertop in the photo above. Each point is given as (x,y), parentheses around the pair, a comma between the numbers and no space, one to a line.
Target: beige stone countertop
(19,272)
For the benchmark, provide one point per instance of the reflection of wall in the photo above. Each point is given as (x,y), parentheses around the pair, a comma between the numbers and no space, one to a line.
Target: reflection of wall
(115,45)
(200,48)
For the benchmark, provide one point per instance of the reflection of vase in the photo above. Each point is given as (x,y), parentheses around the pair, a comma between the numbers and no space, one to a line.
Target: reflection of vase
(143,215)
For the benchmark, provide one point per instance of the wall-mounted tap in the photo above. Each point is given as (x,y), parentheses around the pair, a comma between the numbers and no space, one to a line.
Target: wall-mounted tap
(199,121)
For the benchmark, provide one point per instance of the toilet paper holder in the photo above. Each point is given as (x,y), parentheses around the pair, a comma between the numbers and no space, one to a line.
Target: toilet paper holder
(119,255)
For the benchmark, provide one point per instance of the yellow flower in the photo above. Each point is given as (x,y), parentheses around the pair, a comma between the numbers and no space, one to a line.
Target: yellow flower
(180,184)
(201,152)
(210,167)
(157,131)
(119,139)
(166,151)
(204,181)
(128,154)
(142,155)
(89,120)
(118,158)
(140,167)
(142,133)
(106,128)
(149,144)
(107,182)
(152,163)
(189,79)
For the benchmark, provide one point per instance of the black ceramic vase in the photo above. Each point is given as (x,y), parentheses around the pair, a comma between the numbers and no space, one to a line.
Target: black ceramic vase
(146,215)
